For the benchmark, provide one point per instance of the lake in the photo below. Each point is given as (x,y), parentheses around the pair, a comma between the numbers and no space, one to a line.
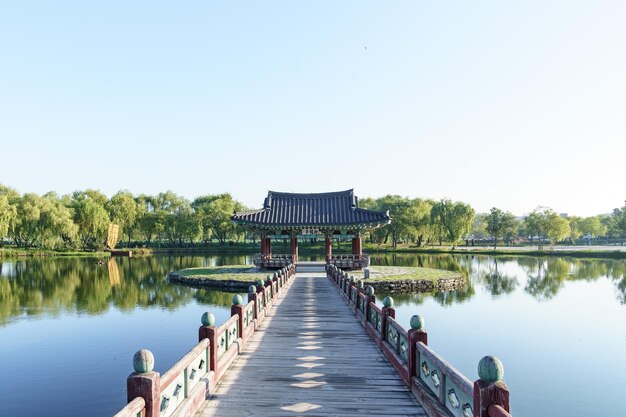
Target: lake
(69,327)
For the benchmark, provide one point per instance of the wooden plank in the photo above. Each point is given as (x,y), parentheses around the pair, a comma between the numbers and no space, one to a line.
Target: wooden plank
(311,357)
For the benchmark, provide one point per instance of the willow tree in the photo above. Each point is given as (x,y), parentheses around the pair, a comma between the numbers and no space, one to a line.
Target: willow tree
(453,219)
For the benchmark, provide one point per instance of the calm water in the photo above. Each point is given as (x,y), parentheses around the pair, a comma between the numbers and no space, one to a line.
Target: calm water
(69,328)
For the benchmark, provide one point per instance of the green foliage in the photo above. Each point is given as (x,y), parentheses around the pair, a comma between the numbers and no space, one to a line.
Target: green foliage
(547,223)
(592,226)
(214,213)
(501,224)
(124,211)
(91,217)
(453,219)
(8,211)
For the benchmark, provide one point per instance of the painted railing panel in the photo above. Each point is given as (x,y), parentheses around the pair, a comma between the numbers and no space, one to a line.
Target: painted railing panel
(398,338)
(248,314)
(375,317)
(179,380)
(362,303)
(452,388)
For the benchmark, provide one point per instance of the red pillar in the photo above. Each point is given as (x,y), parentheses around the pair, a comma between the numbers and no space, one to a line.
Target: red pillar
(356,246)
(329,249)
(294,248)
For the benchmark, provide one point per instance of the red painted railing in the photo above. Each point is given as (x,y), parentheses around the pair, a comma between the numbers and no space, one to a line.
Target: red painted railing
(184,387)
(441,389)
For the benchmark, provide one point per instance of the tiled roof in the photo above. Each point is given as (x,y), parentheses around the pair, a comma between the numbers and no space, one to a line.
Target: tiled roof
(320,209)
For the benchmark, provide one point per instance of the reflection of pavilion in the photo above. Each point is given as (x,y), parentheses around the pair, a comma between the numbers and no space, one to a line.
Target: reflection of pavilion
(309,216)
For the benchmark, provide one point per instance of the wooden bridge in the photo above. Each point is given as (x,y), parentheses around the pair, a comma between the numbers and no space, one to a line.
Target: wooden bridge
(315,344)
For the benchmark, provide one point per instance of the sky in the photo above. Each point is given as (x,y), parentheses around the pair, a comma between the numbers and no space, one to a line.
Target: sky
(495,103)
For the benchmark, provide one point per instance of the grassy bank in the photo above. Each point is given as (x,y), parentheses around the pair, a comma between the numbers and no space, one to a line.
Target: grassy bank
(230,276)
(405,273)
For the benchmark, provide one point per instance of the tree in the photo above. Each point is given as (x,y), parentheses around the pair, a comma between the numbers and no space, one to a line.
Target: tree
(574,228)
(479,226)
(546,223)
(453,219)
(500,224)
(8,210)
(592,227)
(91,217)
(43,221)
(214,213)
(124,211)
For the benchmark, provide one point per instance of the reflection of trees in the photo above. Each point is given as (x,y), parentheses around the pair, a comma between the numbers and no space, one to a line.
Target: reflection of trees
(546,277)
(214,298)
(496,281)
(56,285)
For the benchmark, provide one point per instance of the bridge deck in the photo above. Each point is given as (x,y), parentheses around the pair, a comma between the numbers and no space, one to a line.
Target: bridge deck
(312,357)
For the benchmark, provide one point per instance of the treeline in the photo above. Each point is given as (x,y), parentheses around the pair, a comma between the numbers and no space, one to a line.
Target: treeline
(81,220)
(422,222)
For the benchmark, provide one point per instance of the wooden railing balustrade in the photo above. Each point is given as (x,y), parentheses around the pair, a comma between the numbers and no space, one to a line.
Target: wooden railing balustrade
(181,390)
(441,389)
(350,261)
(272,261)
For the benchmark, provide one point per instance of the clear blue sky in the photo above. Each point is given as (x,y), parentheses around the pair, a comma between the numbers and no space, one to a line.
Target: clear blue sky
(497,103)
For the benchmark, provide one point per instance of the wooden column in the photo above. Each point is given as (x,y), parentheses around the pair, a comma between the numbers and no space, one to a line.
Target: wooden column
(356,246)
(329,248)
(294,248)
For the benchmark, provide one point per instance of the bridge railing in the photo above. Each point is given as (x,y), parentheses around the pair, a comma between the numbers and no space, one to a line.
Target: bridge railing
(272,261)
(441,389)
(350,261)
(181,390)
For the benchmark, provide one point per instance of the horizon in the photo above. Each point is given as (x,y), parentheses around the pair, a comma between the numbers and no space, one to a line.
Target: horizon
(497,105)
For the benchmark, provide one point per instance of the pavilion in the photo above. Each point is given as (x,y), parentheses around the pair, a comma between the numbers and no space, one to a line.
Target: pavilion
(293,216)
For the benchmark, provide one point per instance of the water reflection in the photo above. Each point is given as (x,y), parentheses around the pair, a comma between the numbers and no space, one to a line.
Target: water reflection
(33,287)
(38,286)
(542,278)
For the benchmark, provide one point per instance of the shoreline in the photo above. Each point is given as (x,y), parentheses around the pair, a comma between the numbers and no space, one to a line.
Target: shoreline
(603,252)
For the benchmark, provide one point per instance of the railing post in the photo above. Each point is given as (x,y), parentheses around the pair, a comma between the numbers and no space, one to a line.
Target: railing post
(252,296)
(371,298)
(209,331)
(144,382)
(489,389)
(415,334)
(237,308)
(388,311)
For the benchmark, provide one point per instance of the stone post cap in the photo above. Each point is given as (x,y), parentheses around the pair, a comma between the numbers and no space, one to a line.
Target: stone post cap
(417,322)
(388,301)
(208,319)
(490,369)
(143,361)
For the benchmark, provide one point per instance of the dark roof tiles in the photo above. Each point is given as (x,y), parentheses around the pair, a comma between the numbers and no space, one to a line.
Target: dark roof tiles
(320,209)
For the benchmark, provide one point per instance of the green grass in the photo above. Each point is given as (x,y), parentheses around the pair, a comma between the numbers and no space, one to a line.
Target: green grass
(405,273)
(241,273)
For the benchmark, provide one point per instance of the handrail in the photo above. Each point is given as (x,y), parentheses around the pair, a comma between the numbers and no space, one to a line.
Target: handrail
(179,367)
(436,383)
(496,410)
(179,390)
(135,408)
